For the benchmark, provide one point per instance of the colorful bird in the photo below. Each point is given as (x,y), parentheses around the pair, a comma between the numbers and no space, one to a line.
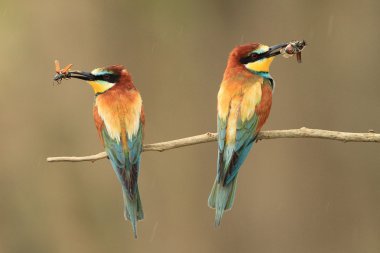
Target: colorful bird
(244,102)
(119,119)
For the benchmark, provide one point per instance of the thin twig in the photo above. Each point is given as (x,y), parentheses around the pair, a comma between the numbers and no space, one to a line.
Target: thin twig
(210,137)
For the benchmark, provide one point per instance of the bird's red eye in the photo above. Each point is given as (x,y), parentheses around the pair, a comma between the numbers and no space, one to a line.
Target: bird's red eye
(106,77)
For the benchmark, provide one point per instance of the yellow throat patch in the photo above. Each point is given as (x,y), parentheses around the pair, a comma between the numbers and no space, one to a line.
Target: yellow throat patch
(100,86)
(262,65)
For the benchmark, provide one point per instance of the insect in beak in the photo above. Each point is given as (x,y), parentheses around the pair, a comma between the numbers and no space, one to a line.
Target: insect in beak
(61,73)
(294,48)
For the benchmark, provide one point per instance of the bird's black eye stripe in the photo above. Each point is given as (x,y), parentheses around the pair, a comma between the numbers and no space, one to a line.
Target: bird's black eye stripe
(111,78)
(251,58)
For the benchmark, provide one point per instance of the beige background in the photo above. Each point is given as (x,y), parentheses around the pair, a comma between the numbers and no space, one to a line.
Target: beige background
(299,195)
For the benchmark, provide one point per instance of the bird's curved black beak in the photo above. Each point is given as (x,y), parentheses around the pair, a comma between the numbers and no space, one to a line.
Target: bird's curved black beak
(81,75)
(295,48)
(275,50)
(272,51)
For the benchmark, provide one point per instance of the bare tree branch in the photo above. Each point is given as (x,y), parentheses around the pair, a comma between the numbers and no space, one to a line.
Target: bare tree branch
(210,137)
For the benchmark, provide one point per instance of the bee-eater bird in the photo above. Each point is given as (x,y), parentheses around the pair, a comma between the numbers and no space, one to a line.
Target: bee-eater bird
(244,102)
(119,119)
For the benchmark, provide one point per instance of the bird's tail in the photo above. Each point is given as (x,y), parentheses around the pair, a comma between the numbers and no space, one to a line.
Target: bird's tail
(133,210)
(222,198)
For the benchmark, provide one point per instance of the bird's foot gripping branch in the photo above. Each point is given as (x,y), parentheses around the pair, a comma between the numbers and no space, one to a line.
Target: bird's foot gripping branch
(243,108)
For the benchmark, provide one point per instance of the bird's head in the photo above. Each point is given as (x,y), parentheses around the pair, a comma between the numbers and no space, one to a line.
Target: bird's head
(255,57)
(103,79)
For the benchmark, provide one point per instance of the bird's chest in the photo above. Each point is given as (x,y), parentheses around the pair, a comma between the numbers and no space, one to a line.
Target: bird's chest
(240,101)
(120,112)
(239,97)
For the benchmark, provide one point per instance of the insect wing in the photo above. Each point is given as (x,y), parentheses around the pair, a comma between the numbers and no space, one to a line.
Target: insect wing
(66,69)
(57,67)
(299,59)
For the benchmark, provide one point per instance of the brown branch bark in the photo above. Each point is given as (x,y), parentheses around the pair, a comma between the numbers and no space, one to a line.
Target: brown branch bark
(264,135)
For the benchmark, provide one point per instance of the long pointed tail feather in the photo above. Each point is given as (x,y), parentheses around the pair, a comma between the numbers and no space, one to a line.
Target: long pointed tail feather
(222,198)
(133,210)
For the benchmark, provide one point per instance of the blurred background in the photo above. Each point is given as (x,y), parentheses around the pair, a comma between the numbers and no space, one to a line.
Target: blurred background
(300,195)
